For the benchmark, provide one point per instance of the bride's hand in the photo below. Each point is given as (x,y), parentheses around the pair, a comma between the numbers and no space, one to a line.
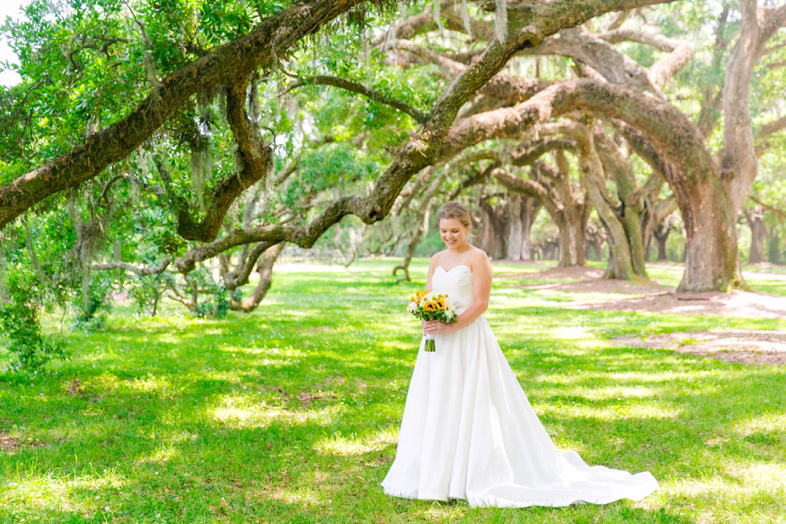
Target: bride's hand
(435,327)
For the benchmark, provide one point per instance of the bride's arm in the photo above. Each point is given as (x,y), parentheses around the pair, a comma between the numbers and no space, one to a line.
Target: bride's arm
(431,267)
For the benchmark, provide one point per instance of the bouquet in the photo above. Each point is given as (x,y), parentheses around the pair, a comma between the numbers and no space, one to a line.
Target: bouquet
(427,305)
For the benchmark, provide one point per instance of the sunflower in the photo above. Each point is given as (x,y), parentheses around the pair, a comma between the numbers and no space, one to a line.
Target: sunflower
(430,306)
(441,303)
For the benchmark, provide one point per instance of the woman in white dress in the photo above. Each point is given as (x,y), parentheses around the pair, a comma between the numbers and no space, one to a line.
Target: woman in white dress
(468,430)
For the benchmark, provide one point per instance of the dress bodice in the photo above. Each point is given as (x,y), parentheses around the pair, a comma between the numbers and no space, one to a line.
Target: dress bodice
(456,283)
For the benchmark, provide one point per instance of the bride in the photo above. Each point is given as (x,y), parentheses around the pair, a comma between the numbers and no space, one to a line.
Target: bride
(468,430)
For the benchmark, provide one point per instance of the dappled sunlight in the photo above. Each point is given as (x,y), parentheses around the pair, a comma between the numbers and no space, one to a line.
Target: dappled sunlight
(769,423)
(304,496)
(634,377)
(149,383)
(170,338)
(724,496)
(615,392)
(356,445)
(105,382)
(571,333)
(641,410)
(765,477)
(160,456)
(56,493)
(240,411)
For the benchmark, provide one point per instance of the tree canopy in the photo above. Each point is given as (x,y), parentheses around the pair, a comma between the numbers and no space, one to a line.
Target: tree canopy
(148,137)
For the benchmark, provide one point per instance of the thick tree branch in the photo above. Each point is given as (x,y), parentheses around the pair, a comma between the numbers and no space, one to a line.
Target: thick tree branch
(614,66)
(361,90)
(780,212)
(477,178)
(502,86)
(528,26)
(772,127)
(265,270)
(776,65)
(254,160)
(773,48)
(238,237)
(769,20)
(711,101)
(141,271)
(260,48)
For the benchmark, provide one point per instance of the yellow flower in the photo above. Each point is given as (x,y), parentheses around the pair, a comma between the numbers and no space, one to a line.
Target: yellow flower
(441,303)
(430,306)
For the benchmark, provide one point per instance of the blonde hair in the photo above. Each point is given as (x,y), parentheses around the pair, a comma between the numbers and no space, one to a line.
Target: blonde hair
(457,211)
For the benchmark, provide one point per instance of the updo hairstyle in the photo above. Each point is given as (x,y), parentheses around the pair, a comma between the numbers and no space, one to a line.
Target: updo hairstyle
(457,211)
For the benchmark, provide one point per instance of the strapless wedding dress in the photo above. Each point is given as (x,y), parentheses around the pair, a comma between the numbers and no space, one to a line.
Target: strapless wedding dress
(469,432)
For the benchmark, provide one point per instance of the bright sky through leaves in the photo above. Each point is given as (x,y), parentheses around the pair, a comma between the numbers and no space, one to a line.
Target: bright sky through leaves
(8,8)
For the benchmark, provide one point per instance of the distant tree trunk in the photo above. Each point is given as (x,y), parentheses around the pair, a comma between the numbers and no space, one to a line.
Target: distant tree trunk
(661,234)
(773,247)
(521,214)
(617,166)
(567,204)
(423,216)
(550,249)
(755,219)
(571,244)
(515,227)
(493,241)
(573,219)
(595,239)
(652,219)
(529,212)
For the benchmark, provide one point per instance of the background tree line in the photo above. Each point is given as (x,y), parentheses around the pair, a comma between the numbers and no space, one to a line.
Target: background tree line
(170,149)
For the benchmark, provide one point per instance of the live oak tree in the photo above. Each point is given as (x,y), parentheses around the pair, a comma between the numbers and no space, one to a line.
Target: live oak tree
(161,93)
(708,190)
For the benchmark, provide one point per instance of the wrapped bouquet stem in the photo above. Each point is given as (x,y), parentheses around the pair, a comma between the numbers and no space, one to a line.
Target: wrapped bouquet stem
(427,305)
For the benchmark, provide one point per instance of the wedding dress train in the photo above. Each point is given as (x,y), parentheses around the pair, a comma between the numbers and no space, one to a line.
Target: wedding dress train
(469,432)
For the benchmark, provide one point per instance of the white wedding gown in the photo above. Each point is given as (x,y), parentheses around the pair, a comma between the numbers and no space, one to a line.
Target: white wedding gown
(469,432)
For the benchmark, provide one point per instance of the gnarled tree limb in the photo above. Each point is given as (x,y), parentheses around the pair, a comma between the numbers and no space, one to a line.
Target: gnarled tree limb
(354,87)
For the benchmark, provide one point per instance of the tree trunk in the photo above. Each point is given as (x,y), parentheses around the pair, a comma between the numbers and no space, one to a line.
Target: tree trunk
(521,211)
(755,220)
(571,244)
(773,247)
(550,248)
(574,218)
(620,263)
(413,243)
(661,235)
(529,211)
(595,244)
(265,270)
(493,241)
(616,165)
(711,257)
(515,227)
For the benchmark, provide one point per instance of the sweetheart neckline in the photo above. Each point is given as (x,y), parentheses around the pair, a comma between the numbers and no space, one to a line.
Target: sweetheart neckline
(454,267)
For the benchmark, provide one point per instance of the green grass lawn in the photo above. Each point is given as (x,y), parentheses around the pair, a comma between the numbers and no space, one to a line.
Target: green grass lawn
(291,413)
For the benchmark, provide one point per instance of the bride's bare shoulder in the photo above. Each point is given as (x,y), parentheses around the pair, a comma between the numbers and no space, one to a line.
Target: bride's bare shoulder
(436,258)
(479,259)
